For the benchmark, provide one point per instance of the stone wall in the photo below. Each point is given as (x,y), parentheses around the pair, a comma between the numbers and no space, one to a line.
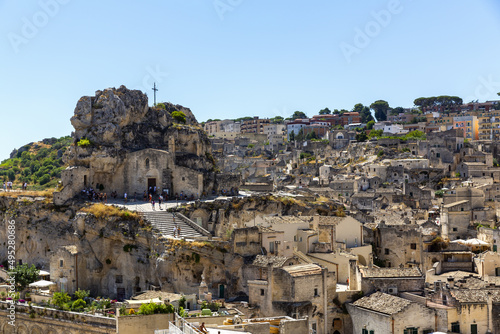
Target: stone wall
(52,321)
(143,323)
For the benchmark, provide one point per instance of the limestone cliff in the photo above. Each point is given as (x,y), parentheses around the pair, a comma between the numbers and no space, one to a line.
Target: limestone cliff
(117,121)
(112,246)
(220,217)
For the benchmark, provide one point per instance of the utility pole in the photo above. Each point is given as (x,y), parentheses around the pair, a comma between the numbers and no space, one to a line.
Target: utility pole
(154,90)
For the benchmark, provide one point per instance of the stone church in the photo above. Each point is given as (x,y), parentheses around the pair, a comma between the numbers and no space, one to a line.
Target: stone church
(122,145)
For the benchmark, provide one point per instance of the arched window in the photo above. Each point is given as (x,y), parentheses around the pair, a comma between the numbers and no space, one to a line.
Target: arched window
(147,163)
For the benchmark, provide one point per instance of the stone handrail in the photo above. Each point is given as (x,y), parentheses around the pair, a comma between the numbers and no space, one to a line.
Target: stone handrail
(195,226)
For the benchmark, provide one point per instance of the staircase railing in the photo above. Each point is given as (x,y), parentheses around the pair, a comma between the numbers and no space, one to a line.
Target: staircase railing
(195,226)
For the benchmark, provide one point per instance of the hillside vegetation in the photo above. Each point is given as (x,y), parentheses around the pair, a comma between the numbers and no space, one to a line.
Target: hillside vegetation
(39,164)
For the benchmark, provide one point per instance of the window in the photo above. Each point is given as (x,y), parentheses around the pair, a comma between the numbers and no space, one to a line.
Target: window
(411,330)
(147,163)
(455,327)
(372,331)
(262,292)
(316,292)
(61,263)
(455,229)
(271,247)
(473,329)
(364,331)
(387,251)
(413,246)
(461,209)
(119,279)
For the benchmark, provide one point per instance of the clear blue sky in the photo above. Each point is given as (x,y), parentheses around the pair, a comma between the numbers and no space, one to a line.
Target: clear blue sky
(233,58)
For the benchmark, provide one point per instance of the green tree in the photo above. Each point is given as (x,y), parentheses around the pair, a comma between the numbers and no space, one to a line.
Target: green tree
(291,137)
(380,107)
(277,120)
(397,111)
(179,116)
(370,125)
(325,111)
(182,302)
(44,179)
(376,133)
(311,135)
(300,135)
(364,112)
(25,275)
(361,136)
(11,175)
(299,115)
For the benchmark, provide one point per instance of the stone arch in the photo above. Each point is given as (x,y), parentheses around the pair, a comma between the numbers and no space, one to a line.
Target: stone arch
(8,329)
(51,330)
(35,329)
(22,329)
(362,260)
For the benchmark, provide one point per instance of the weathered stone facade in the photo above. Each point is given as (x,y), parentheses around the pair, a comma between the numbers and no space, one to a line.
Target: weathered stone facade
(123,145)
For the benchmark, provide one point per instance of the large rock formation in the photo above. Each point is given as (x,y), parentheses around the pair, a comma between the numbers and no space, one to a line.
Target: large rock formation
(123,145)
(121,119)
(112,246)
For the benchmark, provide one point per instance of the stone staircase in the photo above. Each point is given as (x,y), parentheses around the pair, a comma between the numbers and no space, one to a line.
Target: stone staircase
(164,222)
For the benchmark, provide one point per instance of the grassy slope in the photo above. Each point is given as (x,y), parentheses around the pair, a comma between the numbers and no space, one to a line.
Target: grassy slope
(39,164)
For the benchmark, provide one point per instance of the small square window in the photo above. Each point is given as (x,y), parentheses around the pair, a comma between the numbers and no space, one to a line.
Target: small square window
(413,246)
(119,279)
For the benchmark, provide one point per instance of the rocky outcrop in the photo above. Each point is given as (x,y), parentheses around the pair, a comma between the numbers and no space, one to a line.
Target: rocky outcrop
(111,246)
(120,143)
(119,120)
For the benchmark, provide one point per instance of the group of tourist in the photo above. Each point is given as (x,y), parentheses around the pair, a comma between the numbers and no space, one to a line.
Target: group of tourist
(7,186)
(93,195)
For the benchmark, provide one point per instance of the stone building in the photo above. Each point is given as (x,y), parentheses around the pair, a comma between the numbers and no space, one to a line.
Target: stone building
(297,290)
(122,145)
(64,267)
(468,310)
(384,313)
(392,280)
(399,246)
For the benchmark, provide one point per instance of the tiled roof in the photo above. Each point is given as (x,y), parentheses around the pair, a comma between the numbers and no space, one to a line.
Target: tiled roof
(263,261)
(383,303)
(303,270)
(157,294)
(390,272)
(476,296)
(455,203)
